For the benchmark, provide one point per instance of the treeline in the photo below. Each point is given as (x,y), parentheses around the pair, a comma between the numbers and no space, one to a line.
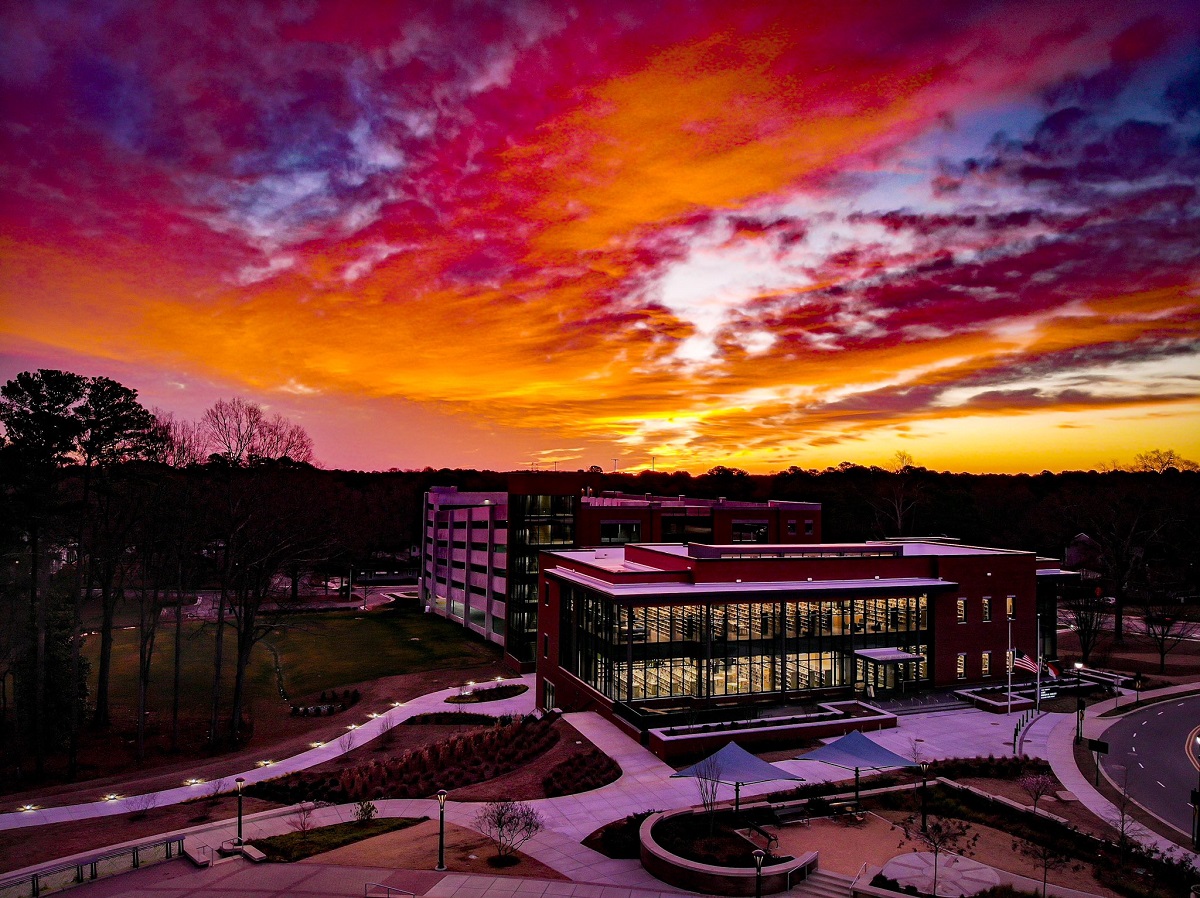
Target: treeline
(104,502)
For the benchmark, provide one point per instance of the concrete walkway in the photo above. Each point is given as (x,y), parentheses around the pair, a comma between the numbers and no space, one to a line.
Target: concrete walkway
(366,729)
(646,784)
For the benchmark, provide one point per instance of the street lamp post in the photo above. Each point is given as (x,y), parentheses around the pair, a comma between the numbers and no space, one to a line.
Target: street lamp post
(1196,807)
(441,864)
(1079,706)
(241,781)
(924,796)
(759,854)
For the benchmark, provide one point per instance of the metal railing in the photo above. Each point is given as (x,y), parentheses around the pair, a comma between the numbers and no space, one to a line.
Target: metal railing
(63,876)
(388,891)
(858,876)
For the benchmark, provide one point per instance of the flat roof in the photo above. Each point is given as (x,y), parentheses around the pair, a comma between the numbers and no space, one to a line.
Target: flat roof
(757,587)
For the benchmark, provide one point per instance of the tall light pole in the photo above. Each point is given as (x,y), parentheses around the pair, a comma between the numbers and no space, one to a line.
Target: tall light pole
(241,781)
(759,854)
(924,796)
(441,864)
(1079,706)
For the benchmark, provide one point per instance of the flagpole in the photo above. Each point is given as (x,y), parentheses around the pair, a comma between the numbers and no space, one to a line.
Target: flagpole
(1011,661)
(1037,701)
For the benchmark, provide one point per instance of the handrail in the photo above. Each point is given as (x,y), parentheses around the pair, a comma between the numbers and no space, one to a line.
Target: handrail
(857,876)
(388,890)
(173,846)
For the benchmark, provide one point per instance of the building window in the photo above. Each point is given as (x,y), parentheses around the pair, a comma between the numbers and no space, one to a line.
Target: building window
(987,609)
(1011,601)
(791,528)
(548,700)
(962,611)
(620,532)
(749,532)
(961,667)
(985,664)
(546,597)
(808,528)
(545,645)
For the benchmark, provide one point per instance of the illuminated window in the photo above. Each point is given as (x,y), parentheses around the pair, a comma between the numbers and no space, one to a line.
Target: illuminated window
(987,609)
(962,611)
(961,668)
(1011,602)
(985,662)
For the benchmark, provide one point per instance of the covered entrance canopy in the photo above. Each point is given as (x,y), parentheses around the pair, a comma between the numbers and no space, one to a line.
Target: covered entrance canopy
(854,751)
(887,667)
(734,766)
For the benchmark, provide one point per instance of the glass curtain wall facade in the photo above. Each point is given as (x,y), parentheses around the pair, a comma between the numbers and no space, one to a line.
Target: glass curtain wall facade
(713,649)
(535,522)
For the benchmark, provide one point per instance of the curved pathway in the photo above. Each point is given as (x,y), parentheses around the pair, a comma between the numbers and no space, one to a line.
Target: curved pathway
(364,732)
(646,782)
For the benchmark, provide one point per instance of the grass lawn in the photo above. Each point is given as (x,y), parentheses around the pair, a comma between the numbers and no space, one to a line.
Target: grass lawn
(297,846)
(316,652)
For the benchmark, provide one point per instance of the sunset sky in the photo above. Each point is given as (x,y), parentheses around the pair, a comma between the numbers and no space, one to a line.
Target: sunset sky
(496,234)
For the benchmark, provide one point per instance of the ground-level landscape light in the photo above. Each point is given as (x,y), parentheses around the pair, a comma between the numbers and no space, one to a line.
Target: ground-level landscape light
(193,781)
(263,763)
(316,745)
(372,715)
(441,864)
(111,796)
(27,807)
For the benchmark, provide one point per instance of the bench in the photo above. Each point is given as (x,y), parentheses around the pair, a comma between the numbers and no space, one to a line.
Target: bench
(250,853)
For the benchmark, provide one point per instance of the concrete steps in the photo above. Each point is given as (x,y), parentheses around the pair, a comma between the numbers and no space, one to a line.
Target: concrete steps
(824,884)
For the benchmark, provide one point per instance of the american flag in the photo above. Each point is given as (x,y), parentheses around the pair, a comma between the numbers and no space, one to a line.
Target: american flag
(1024,662)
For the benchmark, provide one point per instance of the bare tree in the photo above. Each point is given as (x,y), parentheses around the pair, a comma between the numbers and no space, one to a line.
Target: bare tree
(280,438)
(708,783)
(509,824)
(240,432)
(301,820)
(940,835)
(1047,855)
(1037,786)
(180,443)
(898,498)
(1086,615)
(231,427)
(1158,461)
(1164,628)
(142,805)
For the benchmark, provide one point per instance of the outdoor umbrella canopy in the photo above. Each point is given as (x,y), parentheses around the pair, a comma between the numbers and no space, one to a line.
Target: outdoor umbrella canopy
(734,766)
(854,751)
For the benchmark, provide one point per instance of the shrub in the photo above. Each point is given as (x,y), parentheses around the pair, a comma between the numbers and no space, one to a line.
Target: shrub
(364,811)
(581,773)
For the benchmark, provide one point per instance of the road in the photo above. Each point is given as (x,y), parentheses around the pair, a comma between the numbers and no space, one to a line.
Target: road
(1156,746)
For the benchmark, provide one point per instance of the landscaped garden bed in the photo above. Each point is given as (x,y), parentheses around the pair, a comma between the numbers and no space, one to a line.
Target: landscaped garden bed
(461,760)
(296,846)
(833,719)
(488,694)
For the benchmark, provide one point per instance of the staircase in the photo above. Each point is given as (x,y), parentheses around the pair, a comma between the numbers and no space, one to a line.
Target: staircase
(824,884)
